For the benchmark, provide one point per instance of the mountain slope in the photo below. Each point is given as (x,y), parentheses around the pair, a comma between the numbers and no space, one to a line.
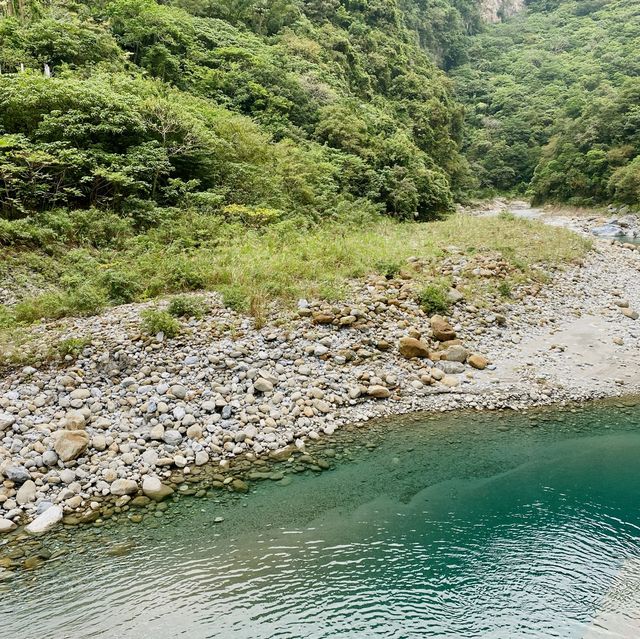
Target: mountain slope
(553,99)
(301,107)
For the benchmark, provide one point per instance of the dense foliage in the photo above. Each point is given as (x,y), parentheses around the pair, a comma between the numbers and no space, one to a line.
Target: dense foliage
(553,102)
(245,109)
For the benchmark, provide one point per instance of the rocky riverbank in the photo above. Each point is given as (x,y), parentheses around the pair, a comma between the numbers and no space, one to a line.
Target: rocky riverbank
(134,415)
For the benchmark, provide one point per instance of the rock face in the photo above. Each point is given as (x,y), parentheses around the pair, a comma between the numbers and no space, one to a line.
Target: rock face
(153,488)
(411,347)
(70,444)
(46,521)
(442,330)
(498,10)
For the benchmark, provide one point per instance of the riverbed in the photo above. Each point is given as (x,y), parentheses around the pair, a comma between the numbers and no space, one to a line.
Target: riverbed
(467,525)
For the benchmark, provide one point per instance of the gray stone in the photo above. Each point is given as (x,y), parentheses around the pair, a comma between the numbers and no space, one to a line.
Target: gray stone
(172,437)
(124,487)
(49,458)
(450,368)
(263,385)
(17,474)
(178,391)
(150,457)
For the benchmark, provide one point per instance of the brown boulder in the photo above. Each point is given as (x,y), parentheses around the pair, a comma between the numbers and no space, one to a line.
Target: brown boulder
(478,361)
(442,330)
(323,318)
(70,444)
(379,392)
(412,347)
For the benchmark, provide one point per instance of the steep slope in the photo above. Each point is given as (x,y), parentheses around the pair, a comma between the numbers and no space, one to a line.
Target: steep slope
(553,100)
(307,107)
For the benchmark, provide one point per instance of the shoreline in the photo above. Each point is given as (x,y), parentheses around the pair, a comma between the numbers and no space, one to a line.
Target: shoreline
(136,413)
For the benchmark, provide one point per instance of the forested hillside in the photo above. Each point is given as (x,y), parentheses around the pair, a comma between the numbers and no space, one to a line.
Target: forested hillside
(307,107)
(151,147)
(553,102)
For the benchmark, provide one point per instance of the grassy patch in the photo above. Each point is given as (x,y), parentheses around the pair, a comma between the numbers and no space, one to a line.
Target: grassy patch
(433,298)
(284,261)
(155,321)
(186,306)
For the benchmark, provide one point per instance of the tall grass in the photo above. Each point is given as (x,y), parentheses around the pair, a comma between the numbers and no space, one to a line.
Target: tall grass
(251,268)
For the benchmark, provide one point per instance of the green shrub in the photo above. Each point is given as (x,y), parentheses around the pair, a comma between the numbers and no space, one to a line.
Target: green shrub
(85,300)
(433,299)
(50,305)
(388,269)
(155,321)
(72,346)
(121,287)
(186,306)
(235,299)
(504,288)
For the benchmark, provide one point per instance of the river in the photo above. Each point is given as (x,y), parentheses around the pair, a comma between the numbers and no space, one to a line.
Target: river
(487,525)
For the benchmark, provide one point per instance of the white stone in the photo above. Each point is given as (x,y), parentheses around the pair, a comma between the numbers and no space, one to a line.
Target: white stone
(46,521)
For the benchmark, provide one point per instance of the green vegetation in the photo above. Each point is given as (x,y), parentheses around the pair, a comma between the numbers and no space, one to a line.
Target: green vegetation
(553,101)
(186,306)
(273,150)
(251,110)
(72,346)
(433,298)
(155,321)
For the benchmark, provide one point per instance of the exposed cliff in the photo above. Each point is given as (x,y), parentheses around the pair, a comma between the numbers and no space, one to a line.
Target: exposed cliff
(497,10)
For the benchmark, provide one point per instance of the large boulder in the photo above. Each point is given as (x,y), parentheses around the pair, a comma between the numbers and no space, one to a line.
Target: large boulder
(46,521)
(153,488)
(442,330)
(122,487)
(70,444)
(412,347)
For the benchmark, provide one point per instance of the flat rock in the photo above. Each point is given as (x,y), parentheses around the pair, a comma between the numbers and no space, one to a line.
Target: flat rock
(46,521)
(379,392)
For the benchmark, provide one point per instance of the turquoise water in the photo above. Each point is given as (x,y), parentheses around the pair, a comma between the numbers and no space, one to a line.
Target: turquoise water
(496,526)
